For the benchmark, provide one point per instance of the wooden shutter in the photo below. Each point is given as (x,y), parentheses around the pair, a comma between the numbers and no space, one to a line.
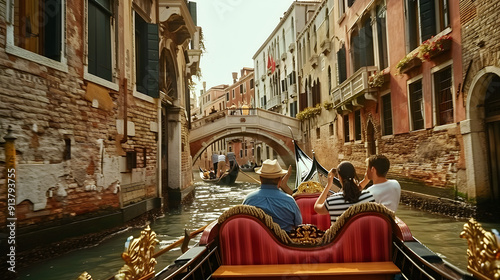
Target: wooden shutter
(427,19)
(153,75)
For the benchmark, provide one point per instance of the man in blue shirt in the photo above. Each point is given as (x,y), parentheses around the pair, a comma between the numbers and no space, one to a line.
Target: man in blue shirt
(279,205)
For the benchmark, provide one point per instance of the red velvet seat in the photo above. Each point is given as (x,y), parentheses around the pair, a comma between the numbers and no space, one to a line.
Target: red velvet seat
(309,216)
(246,240)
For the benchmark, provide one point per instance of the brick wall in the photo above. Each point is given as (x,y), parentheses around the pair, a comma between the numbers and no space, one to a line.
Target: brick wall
(49,108)
(431,157)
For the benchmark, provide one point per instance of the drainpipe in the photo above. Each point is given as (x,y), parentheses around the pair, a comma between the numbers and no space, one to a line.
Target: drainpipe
(125,120)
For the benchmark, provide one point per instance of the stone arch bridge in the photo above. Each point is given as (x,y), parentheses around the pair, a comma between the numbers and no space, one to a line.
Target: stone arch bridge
(271,128)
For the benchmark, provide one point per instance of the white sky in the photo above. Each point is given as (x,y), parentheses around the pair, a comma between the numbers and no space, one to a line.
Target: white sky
(233,31)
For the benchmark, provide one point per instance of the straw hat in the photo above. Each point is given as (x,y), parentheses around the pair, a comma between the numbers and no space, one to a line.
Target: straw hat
(270,169)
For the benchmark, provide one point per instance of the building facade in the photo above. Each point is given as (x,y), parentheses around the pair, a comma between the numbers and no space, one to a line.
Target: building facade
(369,84)
(480,91)
(240,99)
(96,94)
(275,61)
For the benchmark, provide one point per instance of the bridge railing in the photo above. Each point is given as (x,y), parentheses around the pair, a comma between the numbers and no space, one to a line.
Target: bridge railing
(236,112)
(232,118)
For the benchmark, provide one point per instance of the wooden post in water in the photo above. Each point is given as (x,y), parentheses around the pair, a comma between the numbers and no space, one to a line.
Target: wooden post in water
(10,186)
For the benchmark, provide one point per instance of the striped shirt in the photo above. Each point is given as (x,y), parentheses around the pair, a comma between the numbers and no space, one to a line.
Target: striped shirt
(336,204)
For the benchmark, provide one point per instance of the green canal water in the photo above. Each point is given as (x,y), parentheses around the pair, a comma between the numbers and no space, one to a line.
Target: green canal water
(439,233)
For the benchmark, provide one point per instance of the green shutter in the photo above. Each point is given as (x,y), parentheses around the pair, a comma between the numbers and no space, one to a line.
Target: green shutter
(368,45)
(193,11)
(99,42)
(153,80)
(52,38)
(412,24)
(341,60)
(427,19)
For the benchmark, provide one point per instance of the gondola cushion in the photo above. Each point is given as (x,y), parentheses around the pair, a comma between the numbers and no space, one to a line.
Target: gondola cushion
(245,240)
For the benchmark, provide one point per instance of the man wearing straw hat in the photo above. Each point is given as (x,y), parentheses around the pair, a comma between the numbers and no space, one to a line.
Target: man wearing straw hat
(279,205)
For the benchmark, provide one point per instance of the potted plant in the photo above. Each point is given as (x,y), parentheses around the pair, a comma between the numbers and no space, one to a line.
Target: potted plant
(408,62)
(328,105)
(309,112)
(376,79)
(435,46)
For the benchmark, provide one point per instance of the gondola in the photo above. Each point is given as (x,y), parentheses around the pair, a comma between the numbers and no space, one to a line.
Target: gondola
(248,167)
(309,169)
(228,178)
(367,242)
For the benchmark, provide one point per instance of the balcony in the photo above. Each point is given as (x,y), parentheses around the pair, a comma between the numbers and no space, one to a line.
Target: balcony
(273,102)
(175,18)
(353,91)
(194,54)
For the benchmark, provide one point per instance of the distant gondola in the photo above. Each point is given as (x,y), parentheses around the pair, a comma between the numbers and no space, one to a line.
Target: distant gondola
(228,178)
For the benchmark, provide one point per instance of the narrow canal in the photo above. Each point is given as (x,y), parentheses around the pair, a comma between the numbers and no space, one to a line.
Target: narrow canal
(439,233)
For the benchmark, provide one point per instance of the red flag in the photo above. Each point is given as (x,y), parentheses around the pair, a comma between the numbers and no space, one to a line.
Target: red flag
(274,66)
(269,63)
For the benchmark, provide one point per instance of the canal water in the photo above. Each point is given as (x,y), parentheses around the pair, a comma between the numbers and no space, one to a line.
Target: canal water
(439,233)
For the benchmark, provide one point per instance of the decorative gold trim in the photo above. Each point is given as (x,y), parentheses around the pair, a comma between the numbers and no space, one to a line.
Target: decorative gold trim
(309,187)
(483,252)
(84,276)
(139,261)
(306,235)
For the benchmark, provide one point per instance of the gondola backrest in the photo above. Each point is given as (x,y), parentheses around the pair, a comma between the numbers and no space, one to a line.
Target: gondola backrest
(246,240)
(309,216)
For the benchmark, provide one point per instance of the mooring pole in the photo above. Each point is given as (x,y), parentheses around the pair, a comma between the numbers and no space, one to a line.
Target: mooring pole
(11,220)
(10,151)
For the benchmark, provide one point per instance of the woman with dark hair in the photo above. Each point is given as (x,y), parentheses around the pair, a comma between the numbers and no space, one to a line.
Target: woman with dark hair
(337,203)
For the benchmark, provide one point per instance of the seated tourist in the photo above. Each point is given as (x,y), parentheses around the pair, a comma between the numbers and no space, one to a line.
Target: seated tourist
(279,205)
(385,191)
(337,203)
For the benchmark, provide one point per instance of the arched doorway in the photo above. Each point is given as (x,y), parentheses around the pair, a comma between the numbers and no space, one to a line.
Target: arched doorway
(370,139)
(481,135)
(492,121)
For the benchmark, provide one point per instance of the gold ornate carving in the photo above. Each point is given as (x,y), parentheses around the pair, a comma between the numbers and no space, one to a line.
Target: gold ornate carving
(306,235)
(84,276)
(139,261)
(484,251)
(309,187)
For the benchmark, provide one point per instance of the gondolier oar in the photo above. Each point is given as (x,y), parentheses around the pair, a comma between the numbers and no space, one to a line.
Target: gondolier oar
(257,181)
(181,241)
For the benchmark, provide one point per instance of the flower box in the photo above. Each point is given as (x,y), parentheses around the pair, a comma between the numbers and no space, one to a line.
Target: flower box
(445,46)
(435,46)
(410,64)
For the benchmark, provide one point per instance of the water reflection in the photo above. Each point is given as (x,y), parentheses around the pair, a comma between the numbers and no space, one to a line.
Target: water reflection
(439,233)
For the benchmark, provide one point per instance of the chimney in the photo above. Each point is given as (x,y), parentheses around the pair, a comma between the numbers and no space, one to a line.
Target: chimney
(235,77)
